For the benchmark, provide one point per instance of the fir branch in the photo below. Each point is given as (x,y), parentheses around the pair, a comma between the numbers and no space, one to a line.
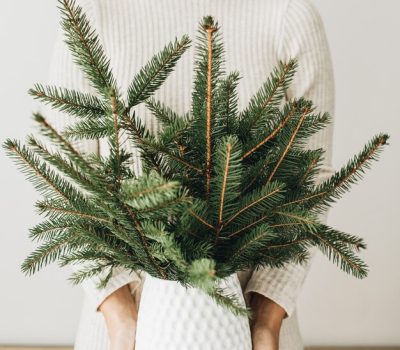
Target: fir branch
(175,158)
(46,230)
(130,195)
(115,142)
(353,242)
(259,169)
(111,243)
(64,166)
(138,133)
(302,218)
(56,210)
(230,301)
(305,111)
(147,144)
(44,180)
(273,133)
(150,147)
(94,270)
(46,253)
(287,224)
(85,46)
(224,182)
(243,251)
(330,244)
(174,134)
(340,182)
(309,169)
(168,247)
(89,129)
(202,274)
(100,195)
(164,114)
(153,194)
(73,102)
(295,242)
(204,129)
(268,96)
(271,191)
(200,219)
(210,30)
(83,256)
(162,273)
(77,158)
(49,131)
(353,170)
(248,226)
(169,204)
(227,102)
(155,72)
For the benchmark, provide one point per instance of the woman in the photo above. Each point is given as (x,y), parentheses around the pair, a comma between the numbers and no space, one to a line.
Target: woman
(256,34)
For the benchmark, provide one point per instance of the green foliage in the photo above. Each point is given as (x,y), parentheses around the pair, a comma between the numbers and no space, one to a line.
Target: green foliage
(221,189)
(85,47)
(154,73)
(73,102)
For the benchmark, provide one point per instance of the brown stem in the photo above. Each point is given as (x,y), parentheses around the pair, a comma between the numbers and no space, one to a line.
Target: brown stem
(199,218)
(301,119)
(250,205)
(114,109)
(272,134)
(208,118)
(226,171)
(248,226)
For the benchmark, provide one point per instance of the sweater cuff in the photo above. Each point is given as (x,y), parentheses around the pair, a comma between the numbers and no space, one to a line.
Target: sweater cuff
(268,289)
(120,278)
(281,285)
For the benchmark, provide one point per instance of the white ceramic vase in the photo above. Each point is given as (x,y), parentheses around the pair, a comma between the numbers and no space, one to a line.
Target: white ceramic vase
(172,317)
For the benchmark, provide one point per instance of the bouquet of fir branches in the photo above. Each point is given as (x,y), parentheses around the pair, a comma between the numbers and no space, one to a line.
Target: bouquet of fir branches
(222,190)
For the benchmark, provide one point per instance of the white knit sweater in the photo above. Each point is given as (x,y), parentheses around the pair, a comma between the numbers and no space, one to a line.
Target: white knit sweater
(256,33)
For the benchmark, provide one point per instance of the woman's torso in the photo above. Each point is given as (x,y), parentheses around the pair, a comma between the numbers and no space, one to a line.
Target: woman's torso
(132,31)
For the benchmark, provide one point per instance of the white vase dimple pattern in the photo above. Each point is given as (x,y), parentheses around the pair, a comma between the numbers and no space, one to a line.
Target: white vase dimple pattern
(172,317)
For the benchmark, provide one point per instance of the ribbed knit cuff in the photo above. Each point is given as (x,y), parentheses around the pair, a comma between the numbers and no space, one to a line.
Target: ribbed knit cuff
(121,277)
(281,285)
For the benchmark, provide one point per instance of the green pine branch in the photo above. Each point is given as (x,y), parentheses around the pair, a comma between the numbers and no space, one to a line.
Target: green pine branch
(85,46)
(156,71)
(82,105)
(340,249)
(268,96)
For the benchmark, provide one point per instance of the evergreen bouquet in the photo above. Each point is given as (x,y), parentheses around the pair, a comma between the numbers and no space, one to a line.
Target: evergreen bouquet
(222,190)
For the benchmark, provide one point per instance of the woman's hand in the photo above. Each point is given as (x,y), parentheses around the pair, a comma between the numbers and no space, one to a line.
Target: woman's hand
(266,323)
(120,313)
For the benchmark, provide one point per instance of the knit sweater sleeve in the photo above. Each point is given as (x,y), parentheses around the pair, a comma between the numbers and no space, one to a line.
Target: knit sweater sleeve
(64,72)
(303,36)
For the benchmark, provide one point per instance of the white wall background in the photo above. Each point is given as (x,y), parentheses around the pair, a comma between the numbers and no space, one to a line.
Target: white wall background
(334,308)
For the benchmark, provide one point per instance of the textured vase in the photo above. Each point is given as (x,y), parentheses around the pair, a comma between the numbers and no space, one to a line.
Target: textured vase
(172,317)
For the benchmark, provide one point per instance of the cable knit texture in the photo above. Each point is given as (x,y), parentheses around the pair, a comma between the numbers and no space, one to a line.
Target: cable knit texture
(256,34)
